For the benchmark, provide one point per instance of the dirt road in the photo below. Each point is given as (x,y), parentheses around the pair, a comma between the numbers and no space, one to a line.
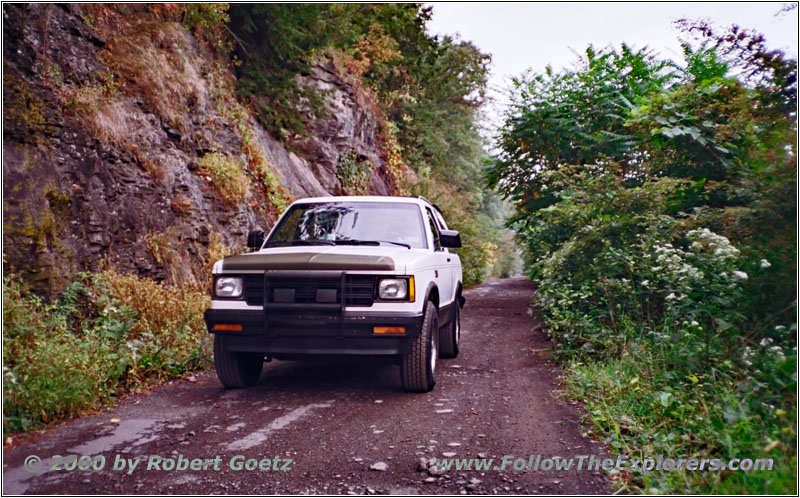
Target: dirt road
(337,427)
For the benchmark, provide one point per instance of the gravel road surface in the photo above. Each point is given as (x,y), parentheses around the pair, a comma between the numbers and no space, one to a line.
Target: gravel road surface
(336,426)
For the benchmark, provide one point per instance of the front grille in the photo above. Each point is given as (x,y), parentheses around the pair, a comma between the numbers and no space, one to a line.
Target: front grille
(254,289)
(359,289)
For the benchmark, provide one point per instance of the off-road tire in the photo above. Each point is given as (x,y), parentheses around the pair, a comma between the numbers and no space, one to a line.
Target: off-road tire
(418,367)
(450,336)
(236,369)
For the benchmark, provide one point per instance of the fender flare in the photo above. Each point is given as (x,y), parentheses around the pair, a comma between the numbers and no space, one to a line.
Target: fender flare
(431,286)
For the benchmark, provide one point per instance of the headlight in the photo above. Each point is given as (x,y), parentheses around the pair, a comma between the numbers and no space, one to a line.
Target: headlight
(393,288)
(228,287)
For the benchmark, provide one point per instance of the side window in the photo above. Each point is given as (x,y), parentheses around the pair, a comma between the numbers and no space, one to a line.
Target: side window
(440,223)
(440,220)
(437,245)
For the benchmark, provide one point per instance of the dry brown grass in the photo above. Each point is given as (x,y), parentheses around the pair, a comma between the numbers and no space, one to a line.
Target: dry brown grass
(152,59)
(156,60)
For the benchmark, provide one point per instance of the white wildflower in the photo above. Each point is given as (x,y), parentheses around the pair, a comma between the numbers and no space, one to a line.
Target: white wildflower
(9,375)
(740,274)
(671,296)
(777,351)
(764,263)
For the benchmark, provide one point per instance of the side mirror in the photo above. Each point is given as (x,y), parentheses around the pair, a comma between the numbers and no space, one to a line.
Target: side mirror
(450,238)
(255,239)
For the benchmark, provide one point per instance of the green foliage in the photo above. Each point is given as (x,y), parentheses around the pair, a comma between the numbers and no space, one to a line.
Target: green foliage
(107,335)
(228,175)
(659,221)
(646,407)
(626,260)
(278,41)
(209,23)
(436,113)
(575,117)
(353,173)
(507,262)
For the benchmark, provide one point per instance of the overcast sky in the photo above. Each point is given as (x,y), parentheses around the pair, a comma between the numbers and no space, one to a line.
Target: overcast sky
(522,36)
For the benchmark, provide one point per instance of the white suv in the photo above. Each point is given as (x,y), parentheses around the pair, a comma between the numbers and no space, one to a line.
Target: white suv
(341,276)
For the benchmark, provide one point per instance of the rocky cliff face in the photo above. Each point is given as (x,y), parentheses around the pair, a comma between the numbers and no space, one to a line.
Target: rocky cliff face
(106,132)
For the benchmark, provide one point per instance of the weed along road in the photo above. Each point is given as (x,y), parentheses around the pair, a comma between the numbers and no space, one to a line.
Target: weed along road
(337,427)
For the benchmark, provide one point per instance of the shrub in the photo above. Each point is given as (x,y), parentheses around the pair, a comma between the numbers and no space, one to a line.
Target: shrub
(108,334)
(645,308)
(353,173)
(663,255)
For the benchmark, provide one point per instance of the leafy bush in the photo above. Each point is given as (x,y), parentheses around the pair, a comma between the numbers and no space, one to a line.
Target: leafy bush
(107,335)
(658,224)
(353,173)
(646,308)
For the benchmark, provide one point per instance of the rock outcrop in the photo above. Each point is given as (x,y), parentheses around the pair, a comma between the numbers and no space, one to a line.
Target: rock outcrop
(101,164)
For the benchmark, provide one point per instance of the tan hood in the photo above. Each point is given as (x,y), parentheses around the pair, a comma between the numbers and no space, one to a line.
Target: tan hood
(318,258)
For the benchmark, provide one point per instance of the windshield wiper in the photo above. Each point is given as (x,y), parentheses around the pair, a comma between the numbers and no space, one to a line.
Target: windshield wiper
(370,242)
(312,242)
(302,242)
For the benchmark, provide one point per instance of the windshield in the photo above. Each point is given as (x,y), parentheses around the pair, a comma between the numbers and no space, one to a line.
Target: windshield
(335,223)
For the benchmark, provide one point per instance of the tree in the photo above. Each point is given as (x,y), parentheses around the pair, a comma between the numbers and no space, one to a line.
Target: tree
(575,117)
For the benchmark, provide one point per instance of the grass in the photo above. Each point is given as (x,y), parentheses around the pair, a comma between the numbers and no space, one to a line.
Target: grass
(643,407)
(109,334)
(228,176)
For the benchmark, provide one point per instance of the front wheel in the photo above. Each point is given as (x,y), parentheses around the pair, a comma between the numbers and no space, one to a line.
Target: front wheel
(450,336)
(418,368)
(236,369)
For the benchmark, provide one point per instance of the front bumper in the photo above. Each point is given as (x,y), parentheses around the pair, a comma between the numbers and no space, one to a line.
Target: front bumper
(302,332)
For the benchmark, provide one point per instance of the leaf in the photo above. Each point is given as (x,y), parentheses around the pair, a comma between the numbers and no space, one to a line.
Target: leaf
(662,120)
(692,377)
(722,324)
(665,398)
(730,416)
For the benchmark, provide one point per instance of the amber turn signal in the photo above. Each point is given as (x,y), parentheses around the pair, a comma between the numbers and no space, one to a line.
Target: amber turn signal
(228,327)
(389,330)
